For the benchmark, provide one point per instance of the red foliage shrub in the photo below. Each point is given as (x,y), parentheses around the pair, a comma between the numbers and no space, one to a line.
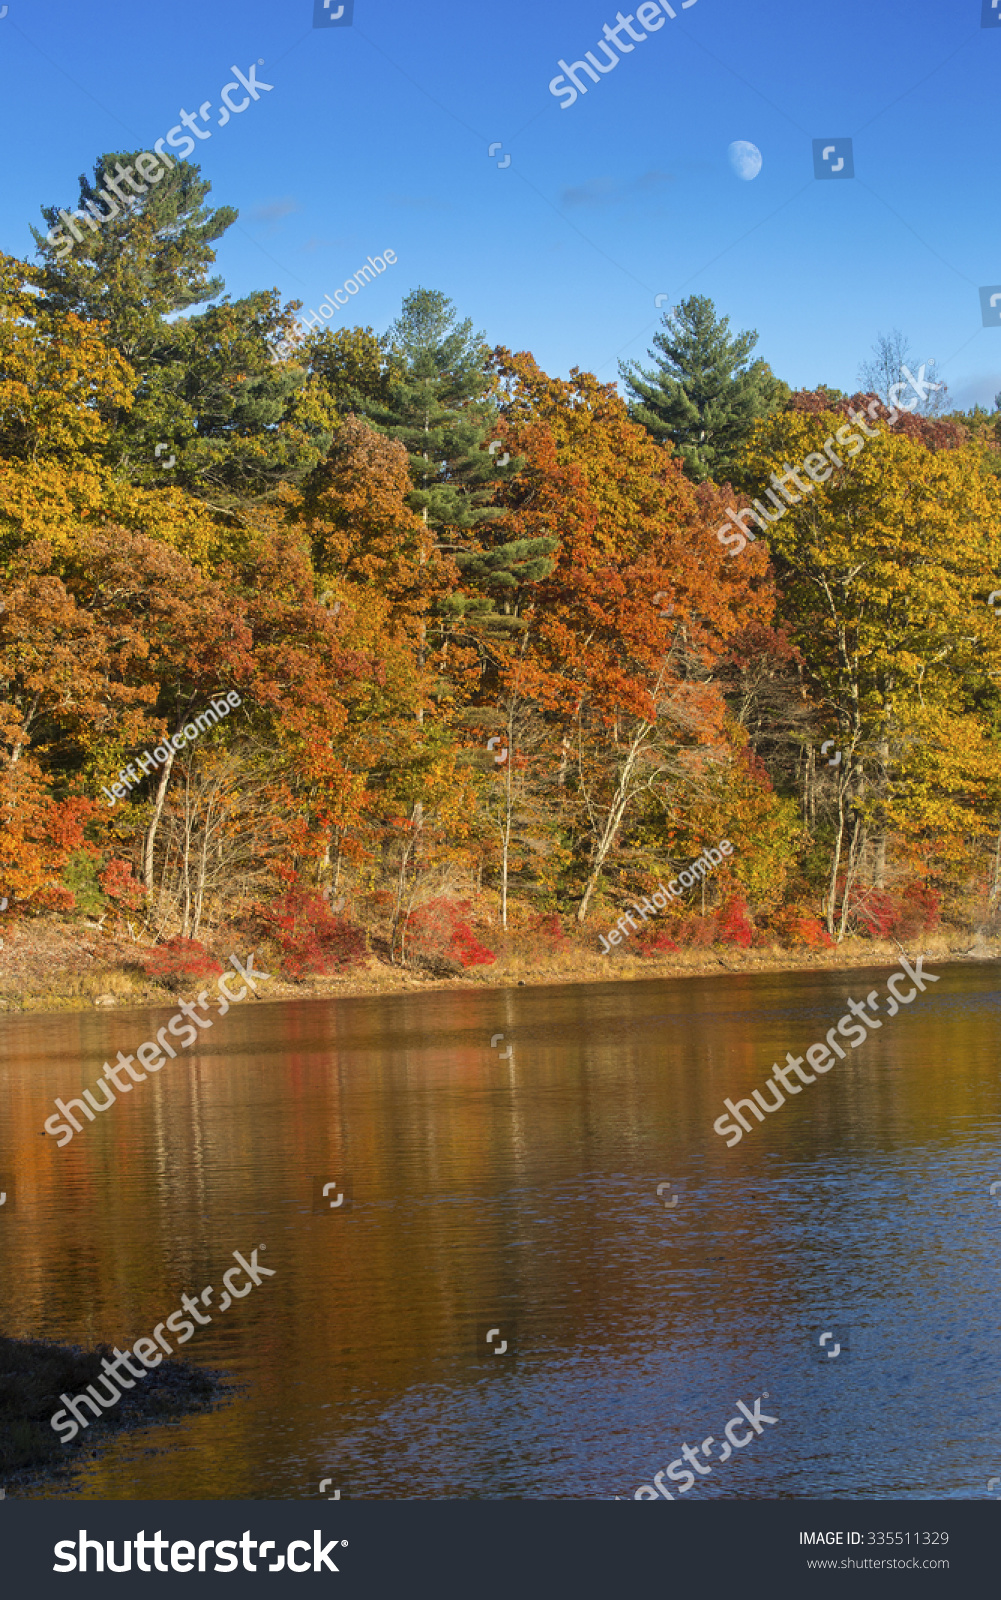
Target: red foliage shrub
(118,884)
(181,961)
(878,913)
(925,904)
(676,933)
(734,925)
(310,937)
(695,932)
(901,914)
(548,933)
(438,929)
(801,928)
(730,925)
(468,949)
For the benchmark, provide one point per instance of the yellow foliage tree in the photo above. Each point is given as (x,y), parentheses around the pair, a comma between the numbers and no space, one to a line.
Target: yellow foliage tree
(884,556)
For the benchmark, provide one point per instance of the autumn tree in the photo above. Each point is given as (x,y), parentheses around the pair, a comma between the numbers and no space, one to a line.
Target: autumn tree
(353,368)
(884,563)
(381,573)
(61,384)
(637,609)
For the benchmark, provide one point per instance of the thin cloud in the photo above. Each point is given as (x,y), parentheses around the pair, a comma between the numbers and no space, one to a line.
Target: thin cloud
(973,391)
(274,211)
(606,191)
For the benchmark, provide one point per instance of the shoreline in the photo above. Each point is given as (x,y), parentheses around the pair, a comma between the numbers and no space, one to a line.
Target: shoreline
(57,970)
(702,964)
(33,1458)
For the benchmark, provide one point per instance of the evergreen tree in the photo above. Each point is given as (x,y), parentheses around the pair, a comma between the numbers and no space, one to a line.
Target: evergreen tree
(440,405)
(238,424)
(703,394)
(140,266)
(233,424)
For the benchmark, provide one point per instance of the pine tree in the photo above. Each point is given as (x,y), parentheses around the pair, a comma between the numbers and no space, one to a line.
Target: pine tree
(441,407)
(703,394)
(233,424)
(239,424)
(146,263)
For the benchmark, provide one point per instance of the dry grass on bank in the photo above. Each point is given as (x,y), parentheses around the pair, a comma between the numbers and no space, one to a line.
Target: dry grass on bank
(521,965)
(50,965)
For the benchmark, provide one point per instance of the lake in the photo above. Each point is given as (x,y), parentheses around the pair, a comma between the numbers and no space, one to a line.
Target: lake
(511,1190)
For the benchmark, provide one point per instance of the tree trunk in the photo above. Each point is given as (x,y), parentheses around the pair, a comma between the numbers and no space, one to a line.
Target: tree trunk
(561,775)
(202,870)
(186,865)
(810,788)
(400,889)
(508,804)
(613,820)
(996,885)
(154,821)
(832,886)
(879,863)
(854,859)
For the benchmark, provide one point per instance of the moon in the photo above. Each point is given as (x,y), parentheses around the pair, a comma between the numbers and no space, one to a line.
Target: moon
(745,159)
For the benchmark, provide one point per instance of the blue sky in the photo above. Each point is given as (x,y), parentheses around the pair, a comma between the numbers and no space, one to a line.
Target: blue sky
(376,135)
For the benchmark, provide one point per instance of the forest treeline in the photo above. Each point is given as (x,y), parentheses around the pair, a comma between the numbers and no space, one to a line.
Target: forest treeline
(495,669)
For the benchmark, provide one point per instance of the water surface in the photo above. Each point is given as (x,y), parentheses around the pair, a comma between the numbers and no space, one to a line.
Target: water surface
(521,1193)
